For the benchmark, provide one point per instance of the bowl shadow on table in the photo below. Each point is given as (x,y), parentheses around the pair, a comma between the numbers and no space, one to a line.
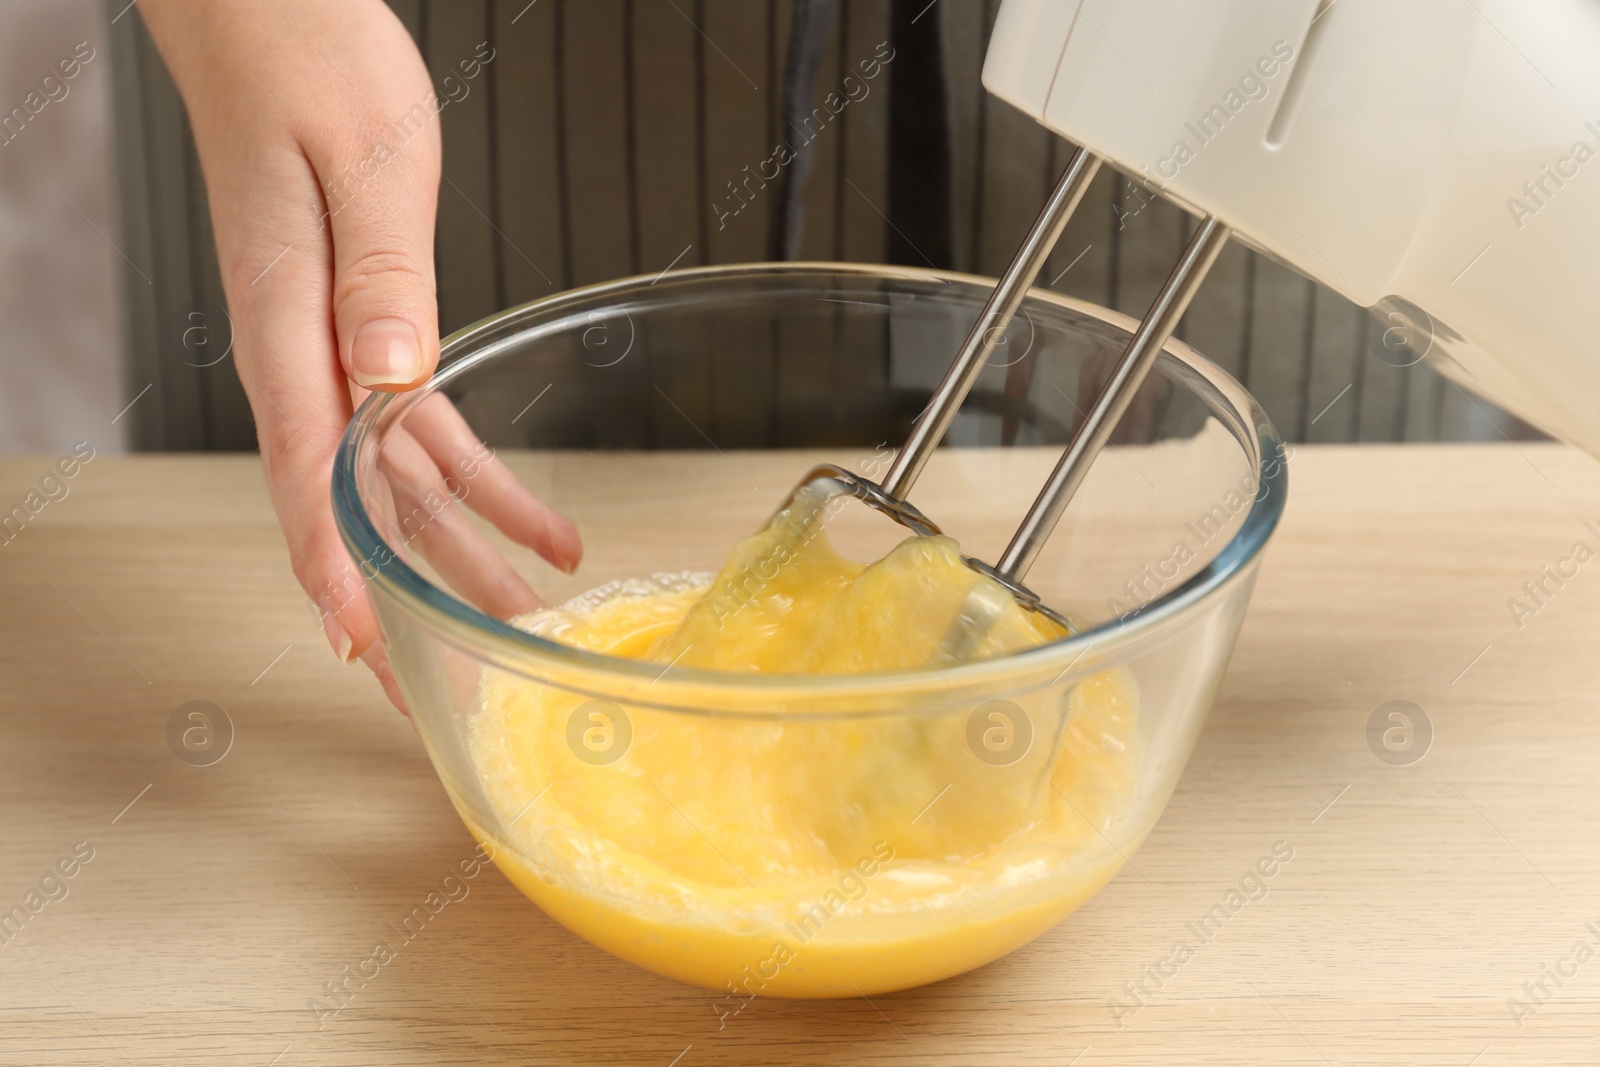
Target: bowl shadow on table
(501,973)
(554,996)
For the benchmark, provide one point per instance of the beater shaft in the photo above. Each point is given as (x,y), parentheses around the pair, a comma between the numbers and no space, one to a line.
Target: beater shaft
(980,611)
(1129,373)
(997,314)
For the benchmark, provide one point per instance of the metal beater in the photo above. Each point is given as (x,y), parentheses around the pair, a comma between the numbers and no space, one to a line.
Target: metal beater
(889,496)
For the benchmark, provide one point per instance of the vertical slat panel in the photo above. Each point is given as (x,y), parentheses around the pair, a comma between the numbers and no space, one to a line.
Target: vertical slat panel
(809,353)
(630,139)
(527,151)
(1458,419)
(465,246)
(1397,428)
(860,180)
(225,411)
(1277,342)
(131,78)
(1483,422)
(1186,230)
(1422,405)
(1013,157)
(779,27)
(679,391)
(735,56)
(1081,263)
(596,127)
(863,192)
(821,191)
(919,205)
(1338,341)
(527,156)
(1217,323)
(1146,236)
(744,380)
(1438,408)
(1153,232)
(805,376)
(672,144)
(741,56)
(966,33)
(668,194)
(856,360)
(594,123)
(805,355)
(409,12)
(173,421)
(669,205)
(1382,387)
(603,157)
(976,150)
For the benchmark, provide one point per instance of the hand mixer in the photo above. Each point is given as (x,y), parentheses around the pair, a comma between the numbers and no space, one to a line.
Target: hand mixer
(1411,157)
(1091,435)
(1439,162)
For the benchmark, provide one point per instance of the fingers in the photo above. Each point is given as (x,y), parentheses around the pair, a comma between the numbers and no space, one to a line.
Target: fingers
(276,273)
(301,409)
(430,520)
(381,199)
(489,487)
(377,662)
(318,133)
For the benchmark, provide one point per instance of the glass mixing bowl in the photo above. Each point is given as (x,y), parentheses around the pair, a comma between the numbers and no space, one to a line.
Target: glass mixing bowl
(804,835)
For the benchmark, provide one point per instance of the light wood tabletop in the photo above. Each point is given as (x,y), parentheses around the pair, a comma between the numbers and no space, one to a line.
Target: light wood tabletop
(1445,912)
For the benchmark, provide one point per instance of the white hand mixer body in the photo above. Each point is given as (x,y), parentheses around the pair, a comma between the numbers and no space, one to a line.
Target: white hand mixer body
(1410,155)
(1438,159)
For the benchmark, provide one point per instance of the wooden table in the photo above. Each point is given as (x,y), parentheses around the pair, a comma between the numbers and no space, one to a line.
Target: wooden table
(220,899)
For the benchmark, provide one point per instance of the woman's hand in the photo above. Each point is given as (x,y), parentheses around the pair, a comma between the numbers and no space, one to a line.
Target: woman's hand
(318,130)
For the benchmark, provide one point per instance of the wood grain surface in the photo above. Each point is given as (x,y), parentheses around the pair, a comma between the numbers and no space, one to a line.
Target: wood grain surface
(220,899)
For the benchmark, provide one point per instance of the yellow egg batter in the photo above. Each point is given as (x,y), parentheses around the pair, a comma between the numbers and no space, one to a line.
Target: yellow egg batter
(792,856)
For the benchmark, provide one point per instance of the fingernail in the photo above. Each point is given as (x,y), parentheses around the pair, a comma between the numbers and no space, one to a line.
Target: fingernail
(378,664)
(342,645)
(386,352)
(567,544)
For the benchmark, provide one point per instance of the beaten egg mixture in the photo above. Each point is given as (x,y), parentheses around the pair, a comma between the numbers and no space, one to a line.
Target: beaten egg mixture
(804,858)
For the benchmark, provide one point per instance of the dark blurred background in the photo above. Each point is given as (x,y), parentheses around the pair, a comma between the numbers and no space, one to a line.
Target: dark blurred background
(617,137)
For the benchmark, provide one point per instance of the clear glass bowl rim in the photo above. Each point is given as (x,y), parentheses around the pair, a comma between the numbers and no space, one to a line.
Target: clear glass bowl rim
(769,695)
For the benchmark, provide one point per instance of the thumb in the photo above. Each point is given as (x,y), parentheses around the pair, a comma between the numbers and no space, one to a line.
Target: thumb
(385,311)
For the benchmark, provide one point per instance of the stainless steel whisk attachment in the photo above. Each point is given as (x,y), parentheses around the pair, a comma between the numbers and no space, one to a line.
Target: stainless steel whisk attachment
(1091,435)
